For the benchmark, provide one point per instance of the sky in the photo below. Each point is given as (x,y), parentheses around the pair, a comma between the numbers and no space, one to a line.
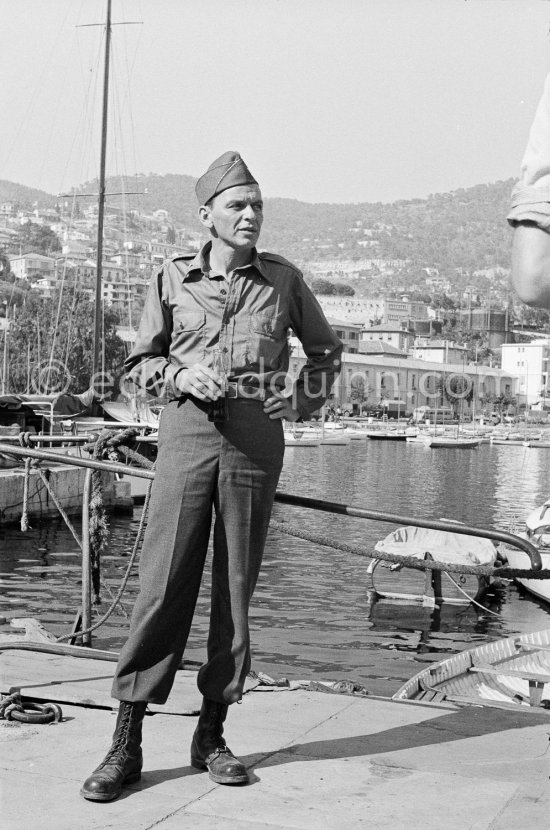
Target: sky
(327,100)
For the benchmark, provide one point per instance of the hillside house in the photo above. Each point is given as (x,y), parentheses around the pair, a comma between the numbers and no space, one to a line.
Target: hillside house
(32,266)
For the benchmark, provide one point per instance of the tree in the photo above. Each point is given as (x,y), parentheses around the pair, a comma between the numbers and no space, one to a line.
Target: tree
(45,357)
(456,389)
(5,267)
(344,290)
(360,390)
(322,286)
(39,239)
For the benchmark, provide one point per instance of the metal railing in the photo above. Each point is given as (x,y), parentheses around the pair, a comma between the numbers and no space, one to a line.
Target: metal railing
(282,498)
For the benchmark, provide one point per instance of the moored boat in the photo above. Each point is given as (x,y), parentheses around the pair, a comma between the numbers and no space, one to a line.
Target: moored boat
(387,435)
(430,587)
(457,442)
(512,672)
(298,438)
(537,531)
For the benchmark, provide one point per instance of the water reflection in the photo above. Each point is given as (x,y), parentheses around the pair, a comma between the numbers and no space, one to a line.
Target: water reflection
(313,614)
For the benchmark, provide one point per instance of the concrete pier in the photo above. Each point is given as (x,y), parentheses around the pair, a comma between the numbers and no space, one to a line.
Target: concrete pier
(322,761)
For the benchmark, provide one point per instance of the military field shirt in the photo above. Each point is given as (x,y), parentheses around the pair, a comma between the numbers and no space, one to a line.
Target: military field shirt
(191,311)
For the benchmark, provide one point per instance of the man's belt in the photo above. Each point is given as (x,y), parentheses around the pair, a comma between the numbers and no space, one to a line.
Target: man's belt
(241,390)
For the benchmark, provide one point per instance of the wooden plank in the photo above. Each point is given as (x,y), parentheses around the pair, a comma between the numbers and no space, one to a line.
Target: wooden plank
(524,675)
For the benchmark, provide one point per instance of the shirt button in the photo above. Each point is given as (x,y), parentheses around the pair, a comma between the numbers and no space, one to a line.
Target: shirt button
(223,292)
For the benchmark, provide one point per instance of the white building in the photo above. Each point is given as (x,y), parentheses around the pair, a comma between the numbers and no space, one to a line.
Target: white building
(443,351)
(529,361)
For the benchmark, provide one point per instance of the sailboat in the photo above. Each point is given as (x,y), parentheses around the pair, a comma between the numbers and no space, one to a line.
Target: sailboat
(120,413)
(447,440)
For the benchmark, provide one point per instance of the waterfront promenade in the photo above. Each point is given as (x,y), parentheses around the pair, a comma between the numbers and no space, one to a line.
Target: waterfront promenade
(322,761)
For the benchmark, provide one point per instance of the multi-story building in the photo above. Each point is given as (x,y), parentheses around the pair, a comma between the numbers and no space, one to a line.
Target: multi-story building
(529,361)
(492,322)
(396,335)
(404,383)
(441,351)
(32,266)
(403,311)
(348,333)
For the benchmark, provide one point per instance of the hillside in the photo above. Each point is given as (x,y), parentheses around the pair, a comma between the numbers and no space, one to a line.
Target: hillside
(465,229)
(23,196)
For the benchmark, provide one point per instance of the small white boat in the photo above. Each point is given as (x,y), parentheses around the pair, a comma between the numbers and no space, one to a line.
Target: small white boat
(431,587)
(450,442)
(299,438)
(422,438)
(536,531)
(336,439)
(509,673)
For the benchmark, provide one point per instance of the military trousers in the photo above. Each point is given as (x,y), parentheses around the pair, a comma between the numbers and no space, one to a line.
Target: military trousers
(229,470)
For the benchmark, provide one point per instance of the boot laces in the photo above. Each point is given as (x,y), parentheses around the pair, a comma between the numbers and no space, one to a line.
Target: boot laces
(120,737)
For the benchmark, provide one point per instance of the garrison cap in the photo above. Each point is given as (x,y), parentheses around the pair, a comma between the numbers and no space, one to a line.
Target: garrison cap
(229,170)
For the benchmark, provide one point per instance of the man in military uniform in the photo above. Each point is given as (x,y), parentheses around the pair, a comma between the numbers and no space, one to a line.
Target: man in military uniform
(214,339)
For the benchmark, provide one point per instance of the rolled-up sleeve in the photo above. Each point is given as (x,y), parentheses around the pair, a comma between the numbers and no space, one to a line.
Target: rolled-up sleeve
(322,347)
(148,365)
(531,196)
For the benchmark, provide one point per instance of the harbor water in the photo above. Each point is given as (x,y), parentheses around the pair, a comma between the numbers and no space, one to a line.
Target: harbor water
(313,616)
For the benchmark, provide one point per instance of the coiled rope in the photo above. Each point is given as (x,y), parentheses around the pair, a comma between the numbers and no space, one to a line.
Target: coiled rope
(13,707)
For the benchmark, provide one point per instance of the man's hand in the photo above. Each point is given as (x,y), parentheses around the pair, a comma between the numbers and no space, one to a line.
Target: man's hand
(200,381)
(277,406)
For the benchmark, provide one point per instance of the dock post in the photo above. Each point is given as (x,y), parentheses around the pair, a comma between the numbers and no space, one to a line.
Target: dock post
(86,561)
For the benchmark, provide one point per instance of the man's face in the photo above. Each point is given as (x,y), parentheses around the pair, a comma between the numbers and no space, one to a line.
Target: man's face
(235,216)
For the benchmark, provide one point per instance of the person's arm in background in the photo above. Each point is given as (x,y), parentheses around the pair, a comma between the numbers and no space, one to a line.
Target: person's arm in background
(531,265)
(530,213)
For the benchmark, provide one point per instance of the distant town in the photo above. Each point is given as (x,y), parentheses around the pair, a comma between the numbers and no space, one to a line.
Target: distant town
(415,335)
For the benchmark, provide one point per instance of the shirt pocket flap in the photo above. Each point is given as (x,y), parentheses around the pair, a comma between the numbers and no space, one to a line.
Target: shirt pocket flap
(189,320)
(266,323)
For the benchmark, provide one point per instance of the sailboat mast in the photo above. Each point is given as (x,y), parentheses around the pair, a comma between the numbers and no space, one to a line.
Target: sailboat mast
(101,202)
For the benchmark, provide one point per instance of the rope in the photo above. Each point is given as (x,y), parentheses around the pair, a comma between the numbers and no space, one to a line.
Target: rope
(472,600)
(126,577)
(110,444)
(13,707)
(409,561)
(24,441)
(25,511)
(44,476)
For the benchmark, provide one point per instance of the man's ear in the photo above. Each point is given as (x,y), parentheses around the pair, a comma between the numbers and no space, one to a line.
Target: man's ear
(205,217)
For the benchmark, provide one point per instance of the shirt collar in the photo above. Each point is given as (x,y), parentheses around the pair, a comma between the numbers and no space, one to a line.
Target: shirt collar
(200,263)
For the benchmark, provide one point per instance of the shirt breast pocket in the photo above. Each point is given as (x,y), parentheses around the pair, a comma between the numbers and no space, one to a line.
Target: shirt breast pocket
(188,335)
(267,337)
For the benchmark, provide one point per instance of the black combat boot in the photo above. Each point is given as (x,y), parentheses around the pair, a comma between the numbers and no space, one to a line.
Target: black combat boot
(209,750)
(122,764)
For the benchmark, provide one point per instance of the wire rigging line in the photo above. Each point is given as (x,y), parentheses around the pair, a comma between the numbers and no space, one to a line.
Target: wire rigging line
(84,129)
